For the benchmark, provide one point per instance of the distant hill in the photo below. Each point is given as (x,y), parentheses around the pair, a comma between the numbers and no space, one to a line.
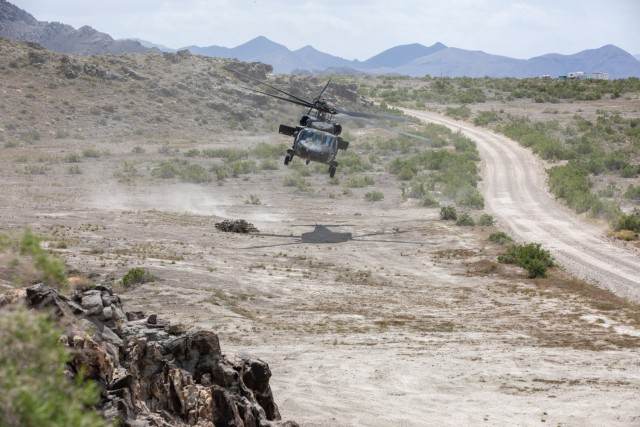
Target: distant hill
(437,60)
(264,50)
(400,55)
(411,59)
(17,24)
(637,56)
(151,45)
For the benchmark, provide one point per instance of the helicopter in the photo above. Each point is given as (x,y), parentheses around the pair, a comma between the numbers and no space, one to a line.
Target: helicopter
(317,136)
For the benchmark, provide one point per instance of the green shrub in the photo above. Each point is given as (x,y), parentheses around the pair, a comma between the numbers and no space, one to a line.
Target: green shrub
(28,263)
(241,167)
(35,389)
(165,170)
(465,219)
(500,238)
(360,181)
(268,165)
(448,213)
(632,193)
(195,174)
(193,152)
(429,201)
(531,257)
(486,220)
(137,276)
(627,222)
(460,113)
(373,196)
(72,158)
(470,197)
(485,117)
(296,181)
(91,153)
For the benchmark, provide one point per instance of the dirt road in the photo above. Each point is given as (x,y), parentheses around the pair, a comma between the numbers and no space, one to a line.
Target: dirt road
(515,190)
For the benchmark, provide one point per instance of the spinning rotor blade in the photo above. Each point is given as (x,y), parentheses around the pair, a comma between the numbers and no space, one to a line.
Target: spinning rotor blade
(303,103)
(318,104)
(389,128)
(373,116)
(322,91)
(300,100)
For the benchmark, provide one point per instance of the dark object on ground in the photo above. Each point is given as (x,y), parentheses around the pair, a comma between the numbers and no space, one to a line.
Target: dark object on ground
(236,226)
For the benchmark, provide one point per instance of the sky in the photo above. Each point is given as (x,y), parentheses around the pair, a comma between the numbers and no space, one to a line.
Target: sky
(360,29)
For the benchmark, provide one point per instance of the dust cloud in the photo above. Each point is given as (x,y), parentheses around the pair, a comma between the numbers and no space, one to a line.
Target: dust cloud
(181,198)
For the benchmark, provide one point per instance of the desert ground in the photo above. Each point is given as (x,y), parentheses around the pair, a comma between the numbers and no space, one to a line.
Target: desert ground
(369,313)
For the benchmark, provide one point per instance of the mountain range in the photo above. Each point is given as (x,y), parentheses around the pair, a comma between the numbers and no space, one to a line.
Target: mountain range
(412,59)
(17,24)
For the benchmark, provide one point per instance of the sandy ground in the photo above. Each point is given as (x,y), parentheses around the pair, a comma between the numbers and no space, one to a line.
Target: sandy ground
(369,314)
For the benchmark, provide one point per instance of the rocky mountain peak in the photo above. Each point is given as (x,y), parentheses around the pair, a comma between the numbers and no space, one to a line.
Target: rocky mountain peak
(12,13)
(17,24)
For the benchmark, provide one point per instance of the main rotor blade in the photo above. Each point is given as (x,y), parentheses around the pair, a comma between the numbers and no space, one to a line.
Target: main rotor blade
(390,129)
(271,86)
(323,89)
(302,103)
(374,116)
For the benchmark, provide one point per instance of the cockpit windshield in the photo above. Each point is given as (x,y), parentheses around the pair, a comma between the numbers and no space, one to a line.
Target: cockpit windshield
(317,137)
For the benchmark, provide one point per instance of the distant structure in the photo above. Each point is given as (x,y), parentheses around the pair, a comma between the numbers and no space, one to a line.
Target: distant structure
(581,75)
(577,75)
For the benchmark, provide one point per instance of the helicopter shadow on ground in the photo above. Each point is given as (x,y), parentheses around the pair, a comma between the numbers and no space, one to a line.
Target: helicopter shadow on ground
(322,234)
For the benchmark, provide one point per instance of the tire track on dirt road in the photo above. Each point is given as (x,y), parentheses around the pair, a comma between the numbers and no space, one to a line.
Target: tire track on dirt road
(515,191)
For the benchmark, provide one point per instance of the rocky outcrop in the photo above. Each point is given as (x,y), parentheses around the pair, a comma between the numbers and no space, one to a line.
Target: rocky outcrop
(155,373)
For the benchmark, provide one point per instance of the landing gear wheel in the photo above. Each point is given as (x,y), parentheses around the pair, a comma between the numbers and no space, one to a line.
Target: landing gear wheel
(287,159)
(332,171)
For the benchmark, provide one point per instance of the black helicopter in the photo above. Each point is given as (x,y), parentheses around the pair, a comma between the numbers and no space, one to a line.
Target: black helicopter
(317,137)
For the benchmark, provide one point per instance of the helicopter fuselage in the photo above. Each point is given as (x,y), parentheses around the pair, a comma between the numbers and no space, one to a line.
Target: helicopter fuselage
(314,145)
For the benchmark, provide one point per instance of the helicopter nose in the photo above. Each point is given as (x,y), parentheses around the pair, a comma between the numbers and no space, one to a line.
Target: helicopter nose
(318,153)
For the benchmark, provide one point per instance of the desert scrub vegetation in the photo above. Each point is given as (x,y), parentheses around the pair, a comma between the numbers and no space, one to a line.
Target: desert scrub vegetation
(465,219)
(23,261)
(36,391)
(608,146)
(360,181)
(629,222)
(296,180)
(137,276)
(466,90)
(185,171)
(374,196)
(486,220)
(448,213)
(451,172)
(500,237)
(529,256)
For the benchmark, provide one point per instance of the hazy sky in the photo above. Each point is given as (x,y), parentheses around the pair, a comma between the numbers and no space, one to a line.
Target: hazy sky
(359,29)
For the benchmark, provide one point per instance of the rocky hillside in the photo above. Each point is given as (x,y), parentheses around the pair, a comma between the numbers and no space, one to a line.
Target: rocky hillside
(152,372)
(18,24)
(56,94)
